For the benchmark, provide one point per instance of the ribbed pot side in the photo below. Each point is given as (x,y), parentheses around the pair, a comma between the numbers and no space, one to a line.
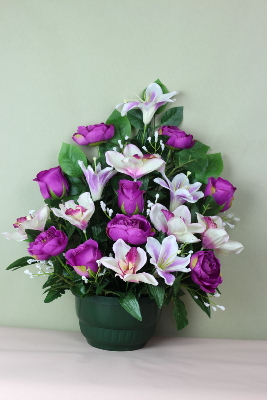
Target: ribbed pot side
(106,325)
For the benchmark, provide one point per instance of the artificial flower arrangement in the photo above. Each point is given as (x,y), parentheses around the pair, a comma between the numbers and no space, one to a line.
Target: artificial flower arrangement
(133,222)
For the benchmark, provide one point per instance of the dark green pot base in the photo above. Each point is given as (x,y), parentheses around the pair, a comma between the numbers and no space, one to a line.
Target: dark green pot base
(107,326)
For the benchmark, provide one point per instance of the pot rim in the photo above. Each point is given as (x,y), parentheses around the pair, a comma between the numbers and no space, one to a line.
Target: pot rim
(112,301)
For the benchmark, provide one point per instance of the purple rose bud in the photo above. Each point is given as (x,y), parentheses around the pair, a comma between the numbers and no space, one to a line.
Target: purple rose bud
(53,184)
(47,244)
(84,257)
(222,191)
(178,139)
(205,270)
(130,197)
(133,230)
(93,135)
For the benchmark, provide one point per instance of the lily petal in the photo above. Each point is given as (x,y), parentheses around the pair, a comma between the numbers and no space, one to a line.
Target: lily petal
(157,217)
(120,249)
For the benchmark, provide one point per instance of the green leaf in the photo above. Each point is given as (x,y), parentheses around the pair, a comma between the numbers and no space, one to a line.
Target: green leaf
(209,207)
(173,116)
(49,223)
(200,148)
(194,209)
(141,137)
(180,314)
(122,126)
(69,230)
(135,116)
(53,203)
(57,267)
(68,159)
(213,168)
(131,305)
(52,279)
(152,194)
(145,182)
(176,285)
(99,232)
(190,161)
(158,292)
(21,262)
(101,287)
(53,295)
(32,234)
(76,186)
(161,236)
(201,298)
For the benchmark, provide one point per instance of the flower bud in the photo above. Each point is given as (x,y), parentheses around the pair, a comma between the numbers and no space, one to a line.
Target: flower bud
(130,197)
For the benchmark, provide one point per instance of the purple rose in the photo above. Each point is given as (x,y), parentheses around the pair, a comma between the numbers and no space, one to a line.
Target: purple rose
(178,139)
(130,197)
(47,244)
(93,135)
(133,230)
(205,270)
(53,184)
(84,257)
(222,191)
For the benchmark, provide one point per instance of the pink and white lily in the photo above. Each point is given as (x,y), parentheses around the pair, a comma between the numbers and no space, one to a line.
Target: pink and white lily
(35,221)
(164,258)
(180,190)
(154,98)
(132,162)
(97,179)
(177,223)
(127,262)
(215,237)
(77,215)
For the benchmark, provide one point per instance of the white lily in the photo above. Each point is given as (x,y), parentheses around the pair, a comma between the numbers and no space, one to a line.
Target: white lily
(97,179)
(215,237)
(180,190)
(133,162)
(35,221)
(77,215)
(177,223)
(127,262)
(164,258)
(154,98)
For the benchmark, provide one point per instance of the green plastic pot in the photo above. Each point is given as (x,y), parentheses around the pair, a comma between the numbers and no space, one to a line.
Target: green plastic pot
(107,326)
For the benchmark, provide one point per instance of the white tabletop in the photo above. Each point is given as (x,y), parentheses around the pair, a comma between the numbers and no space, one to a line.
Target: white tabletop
(49,365)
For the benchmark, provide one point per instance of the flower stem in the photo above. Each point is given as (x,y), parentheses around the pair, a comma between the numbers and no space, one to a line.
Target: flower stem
(168,156)
(65,267)
(99,155)
(85,235)
(144,135)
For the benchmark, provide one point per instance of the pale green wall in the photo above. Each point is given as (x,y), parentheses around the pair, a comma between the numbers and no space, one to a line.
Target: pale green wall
(66,63)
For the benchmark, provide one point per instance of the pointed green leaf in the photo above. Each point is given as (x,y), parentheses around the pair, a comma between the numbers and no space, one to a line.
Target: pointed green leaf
(21,262)
(199,297)
(122,126)
(101,287)
(131,305)
(158,292)
(32,234)
(53,295)
(209,207)
(173,116)
(135,117)
(180,314)
(68,159)
(176,285)
(213,168)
